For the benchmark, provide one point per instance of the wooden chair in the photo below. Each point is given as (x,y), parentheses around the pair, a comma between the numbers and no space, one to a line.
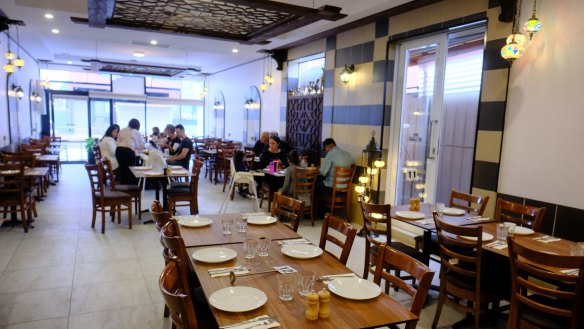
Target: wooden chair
(377,225)
(180,302)
(342,227)
(133,190)
(474,204)
(15,198)
(341,191)
(394,259)
(460,272)
(240,178)
(186,194)
(226,157)
(304,184)
(105,200)
(526,216)
(31,184)
(541,298)
(287,207)
(159,216)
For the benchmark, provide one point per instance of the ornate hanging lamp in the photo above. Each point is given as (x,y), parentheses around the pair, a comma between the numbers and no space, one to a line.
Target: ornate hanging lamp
(514,48)
(533,24)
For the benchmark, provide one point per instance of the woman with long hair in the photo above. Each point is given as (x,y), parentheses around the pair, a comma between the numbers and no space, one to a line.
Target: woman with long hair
(108,145)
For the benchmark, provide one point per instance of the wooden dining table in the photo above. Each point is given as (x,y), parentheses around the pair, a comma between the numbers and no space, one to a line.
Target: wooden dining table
(344,313)
(142,174)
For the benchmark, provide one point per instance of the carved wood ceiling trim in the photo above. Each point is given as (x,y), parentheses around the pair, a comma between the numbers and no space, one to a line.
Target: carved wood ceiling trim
(245,21)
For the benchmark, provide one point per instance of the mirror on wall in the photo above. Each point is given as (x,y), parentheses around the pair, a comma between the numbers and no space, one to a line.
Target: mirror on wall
(219,115)
(36,105)
(252,116)
(15,94)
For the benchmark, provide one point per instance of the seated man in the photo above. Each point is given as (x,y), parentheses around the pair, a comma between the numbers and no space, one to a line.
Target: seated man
(335,157)
(172,141)
(182,156)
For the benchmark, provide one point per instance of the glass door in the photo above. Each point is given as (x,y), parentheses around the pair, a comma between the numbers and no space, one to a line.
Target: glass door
(437,100)
(126,110)
(71,122)
(100,113)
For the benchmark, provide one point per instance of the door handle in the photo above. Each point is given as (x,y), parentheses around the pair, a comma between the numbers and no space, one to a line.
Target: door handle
(433,134)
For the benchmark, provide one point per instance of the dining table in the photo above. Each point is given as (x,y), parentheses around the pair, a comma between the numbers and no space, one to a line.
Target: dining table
(355,312)
(52,161)
(163,179)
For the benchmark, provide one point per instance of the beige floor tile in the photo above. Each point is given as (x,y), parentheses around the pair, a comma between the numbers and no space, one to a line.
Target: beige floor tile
(34,305)
(143,317)
(154,289)
(152,266)
(106,253)
(57,323)
(36,279)
(36,244)
(41,258)
(89,273)
(9,244)
(109,296)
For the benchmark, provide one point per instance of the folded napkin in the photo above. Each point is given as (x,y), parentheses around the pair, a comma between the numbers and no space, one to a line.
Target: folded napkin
(478,219)
(571,271)
(499,245)
(261,322)
(547,239)
(224,271)
(425,221)
(259,213)
(294,241)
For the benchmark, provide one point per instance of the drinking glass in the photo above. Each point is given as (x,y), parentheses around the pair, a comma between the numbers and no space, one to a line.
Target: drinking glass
(502,232)
(264,246)
(226,225)
(249,247)
(242,224)
(439,208)
(286,284)
(510,228)
(305,282)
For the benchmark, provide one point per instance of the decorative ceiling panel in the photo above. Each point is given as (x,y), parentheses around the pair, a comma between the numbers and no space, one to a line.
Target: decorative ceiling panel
(246,21)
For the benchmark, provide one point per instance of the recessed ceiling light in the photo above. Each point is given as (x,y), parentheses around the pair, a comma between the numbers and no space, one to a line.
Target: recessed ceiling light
(139,53)
(49,16)
(55,31)
(69,62)
(235,50)
(153,42)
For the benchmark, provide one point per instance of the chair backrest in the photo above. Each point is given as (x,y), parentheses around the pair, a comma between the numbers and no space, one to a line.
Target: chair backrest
(507,211)
(196,171)
(12,180)
(460,256)
(555,296)
(342,179)
(26,159)
(176,250)
(377,219)
(390,258)
(159,216)
(287,207)
(342,227)
(177,297)
(95,173)
(468,202)
(108,172)
(305,181)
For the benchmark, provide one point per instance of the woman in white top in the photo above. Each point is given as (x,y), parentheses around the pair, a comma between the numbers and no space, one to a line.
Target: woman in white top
(130,142)
(108,145)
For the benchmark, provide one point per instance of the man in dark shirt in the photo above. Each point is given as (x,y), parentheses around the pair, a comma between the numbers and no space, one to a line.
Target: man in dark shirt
(182,157)
(173,141)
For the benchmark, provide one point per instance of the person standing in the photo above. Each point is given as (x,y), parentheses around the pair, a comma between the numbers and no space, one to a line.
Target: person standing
(130,142)
(182,156)
(108,146)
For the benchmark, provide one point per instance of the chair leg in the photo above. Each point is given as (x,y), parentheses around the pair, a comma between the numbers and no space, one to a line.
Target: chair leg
(129,213)
(24,219)
(441,299)
(103,221)
(166,311)
(93,217)
(367,252)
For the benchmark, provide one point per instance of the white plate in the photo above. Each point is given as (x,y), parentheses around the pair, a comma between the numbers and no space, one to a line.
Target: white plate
(454,211)
(238,299)
(9,172)
(261,220)
(520,230)
(354,288)
(409,214)
(176,167)
(214,255)
(302,251)
(193,221)
(143,168)
(486,237)
(153,173)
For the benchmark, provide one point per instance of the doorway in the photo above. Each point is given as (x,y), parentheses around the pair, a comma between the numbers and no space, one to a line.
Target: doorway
(436,99)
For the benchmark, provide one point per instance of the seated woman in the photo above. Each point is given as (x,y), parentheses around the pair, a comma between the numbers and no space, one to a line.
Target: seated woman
(273,153)
(240,165)
(108,145)
(288,187)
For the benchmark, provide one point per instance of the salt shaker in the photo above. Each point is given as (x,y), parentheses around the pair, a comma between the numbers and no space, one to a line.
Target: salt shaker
(323,303)
(312,306)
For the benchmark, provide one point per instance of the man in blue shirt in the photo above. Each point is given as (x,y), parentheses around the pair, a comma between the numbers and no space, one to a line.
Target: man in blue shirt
(335,157)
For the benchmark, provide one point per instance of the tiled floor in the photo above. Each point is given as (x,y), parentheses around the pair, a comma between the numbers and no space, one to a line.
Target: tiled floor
(63,274)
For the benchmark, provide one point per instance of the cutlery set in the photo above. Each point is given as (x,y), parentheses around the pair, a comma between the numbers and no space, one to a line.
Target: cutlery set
(258,322)
(547,239)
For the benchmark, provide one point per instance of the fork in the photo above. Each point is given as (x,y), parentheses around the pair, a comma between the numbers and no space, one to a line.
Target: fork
(263,320)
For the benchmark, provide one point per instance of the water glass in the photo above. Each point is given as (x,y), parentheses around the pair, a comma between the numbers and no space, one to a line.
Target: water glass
(226,225)
(249,247)
(166,153)
(439,208)
(286,285)
(264,246)
(510,228)
(502,232)
(242,225)
(305,282)
(577,249)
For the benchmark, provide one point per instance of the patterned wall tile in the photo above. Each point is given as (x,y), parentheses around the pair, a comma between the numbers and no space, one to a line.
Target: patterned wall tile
(331,43)
(380,45)
(382,28)
(492,59)
(356,36)
(485,175)
(494,87)
(491,116)
(488,145)
(569,223)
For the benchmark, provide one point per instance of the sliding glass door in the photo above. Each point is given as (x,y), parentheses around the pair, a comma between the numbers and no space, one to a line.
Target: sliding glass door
(70,120)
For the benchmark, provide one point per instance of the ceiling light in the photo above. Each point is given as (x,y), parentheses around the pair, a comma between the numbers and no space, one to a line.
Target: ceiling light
(49,16)
(9,55)
(55,31)
(235,50)
(18,62)
(139,53)
(153,42)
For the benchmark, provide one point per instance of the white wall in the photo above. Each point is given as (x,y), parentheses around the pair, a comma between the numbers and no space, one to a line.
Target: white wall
(21,77)
(234,84)
(543,154)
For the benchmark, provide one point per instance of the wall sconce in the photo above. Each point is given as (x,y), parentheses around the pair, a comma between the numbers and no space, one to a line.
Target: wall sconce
(515,47)
(251,105)
(533,24)
(17,91)
(35,97)
(218,106)
(346,73)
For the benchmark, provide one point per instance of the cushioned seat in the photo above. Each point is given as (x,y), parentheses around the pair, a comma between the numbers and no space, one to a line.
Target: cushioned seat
(179,190)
